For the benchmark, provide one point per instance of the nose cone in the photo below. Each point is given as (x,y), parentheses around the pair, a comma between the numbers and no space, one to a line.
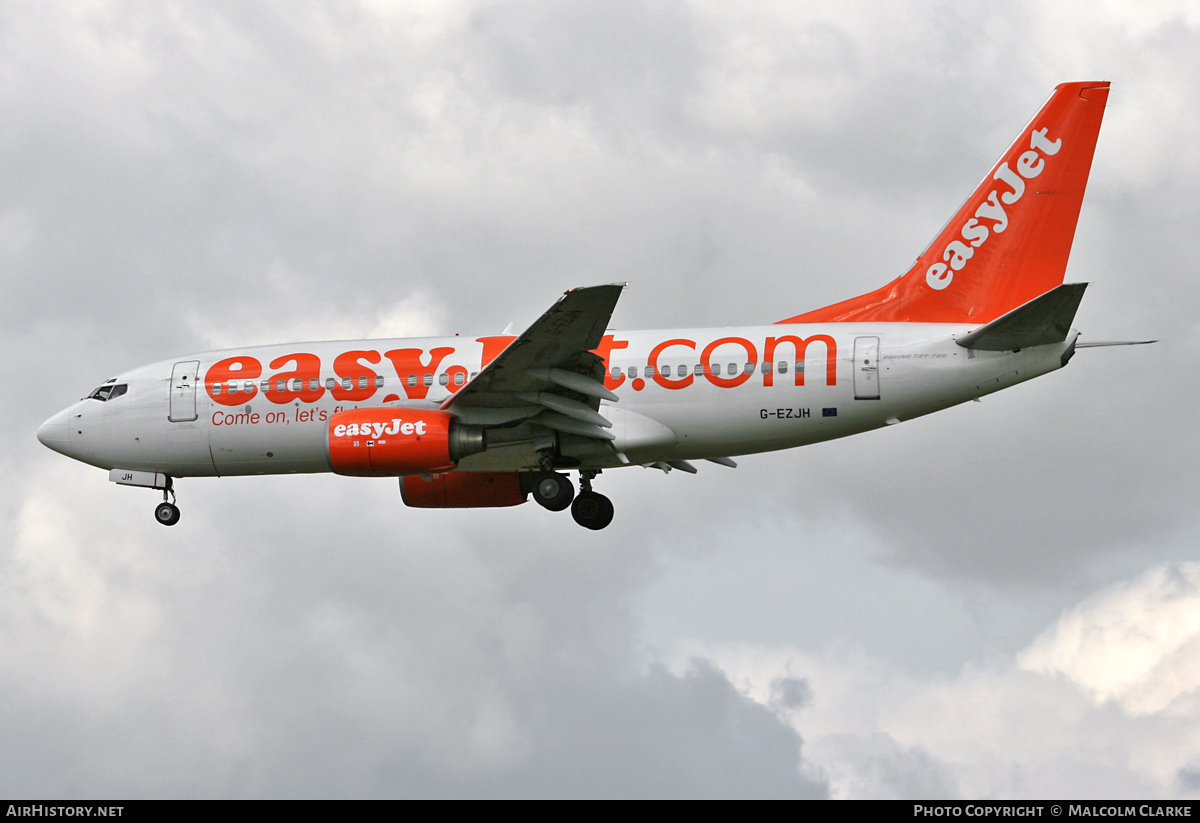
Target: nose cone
(55,433)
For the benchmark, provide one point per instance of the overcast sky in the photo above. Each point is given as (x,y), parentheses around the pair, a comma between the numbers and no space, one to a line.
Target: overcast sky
(1002,599)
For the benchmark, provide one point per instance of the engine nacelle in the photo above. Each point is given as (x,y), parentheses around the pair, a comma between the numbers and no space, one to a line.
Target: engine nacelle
(386,442)
(462,490)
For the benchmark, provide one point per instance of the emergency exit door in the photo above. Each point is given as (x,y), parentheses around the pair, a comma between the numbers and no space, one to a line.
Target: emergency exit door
(866,368)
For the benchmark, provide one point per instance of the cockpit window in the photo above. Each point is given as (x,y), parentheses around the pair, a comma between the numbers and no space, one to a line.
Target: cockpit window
(108,391)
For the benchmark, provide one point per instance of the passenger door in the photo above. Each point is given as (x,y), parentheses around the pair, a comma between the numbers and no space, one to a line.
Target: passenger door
(184,378)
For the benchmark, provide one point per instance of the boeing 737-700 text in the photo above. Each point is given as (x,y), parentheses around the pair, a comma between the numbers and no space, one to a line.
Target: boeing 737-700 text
(487,421)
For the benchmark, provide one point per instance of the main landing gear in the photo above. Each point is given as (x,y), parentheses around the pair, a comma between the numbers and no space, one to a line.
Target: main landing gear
(553,491)
(167,513)
(590,509)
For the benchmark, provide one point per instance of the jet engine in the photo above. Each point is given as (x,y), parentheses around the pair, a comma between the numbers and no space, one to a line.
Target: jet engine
(386,442)
(462,490)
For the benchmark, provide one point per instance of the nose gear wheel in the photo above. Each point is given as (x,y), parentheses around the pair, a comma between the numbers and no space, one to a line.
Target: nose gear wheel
(166,513)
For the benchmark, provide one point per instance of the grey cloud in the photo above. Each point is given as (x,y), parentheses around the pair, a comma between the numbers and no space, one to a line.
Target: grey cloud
(606,57)
(886,770)
(412,661)
(791,692)
(1189,779)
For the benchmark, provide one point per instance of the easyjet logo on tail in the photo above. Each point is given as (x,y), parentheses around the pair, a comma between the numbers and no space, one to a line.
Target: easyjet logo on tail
(1029,165)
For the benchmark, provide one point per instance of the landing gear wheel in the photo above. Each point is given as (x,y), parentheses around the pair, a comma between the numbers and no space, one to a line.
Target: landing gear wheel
(166,513)
(553,491)
(592,510)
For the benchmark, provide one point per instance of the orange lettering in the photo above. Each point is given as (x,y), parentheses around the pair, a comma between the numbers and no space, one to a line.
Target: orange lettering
(607,344)
(347,365)
(666,382)
(307,371)
(410,369)
(492,346)
(801,346)
(232,368)
(457,377)
(727,382)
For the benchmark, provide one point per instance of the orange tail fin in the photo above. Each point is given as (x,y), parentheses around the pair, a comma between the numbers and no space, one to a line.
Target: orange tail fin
(1010,241)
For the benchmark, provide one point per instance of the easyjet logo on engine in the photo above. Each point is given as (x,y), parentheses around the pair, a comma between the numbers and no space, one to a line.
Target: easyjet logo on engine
(362,442)
(378,430)
(956,253)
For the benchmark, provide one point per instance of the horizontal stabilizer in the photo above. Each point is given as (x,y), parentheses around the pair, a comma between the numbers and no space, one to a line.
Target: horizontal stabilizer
(1041,321)
(1079,344)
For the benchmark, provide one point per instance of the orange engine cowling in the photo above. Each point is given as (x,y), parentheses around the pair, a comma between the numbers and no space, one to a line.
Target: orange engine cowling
(386,442)
(462,490)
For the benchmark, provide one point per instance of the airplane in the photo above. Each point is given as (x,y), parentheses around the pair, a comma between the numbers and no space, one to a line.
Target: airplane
(489,421)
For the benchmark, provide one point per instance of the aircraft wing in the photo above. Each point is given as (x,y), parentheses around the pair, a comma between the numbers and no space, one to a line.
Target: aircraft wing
(549,370)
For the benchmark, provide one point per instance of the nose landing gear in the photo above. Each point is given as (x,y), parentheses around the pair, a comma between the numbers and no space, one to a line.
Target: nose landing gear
(167,513)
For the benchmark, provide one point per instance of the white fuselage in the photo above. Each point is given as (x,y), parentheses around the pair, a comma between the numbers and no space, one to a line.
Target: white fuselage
(730,391)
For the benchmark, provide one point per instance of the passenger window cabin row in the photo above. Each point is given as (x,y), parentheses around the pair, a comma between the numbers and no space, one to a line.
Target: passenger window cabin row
(110,390)
(460,379)
(715,369)
(346,383)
